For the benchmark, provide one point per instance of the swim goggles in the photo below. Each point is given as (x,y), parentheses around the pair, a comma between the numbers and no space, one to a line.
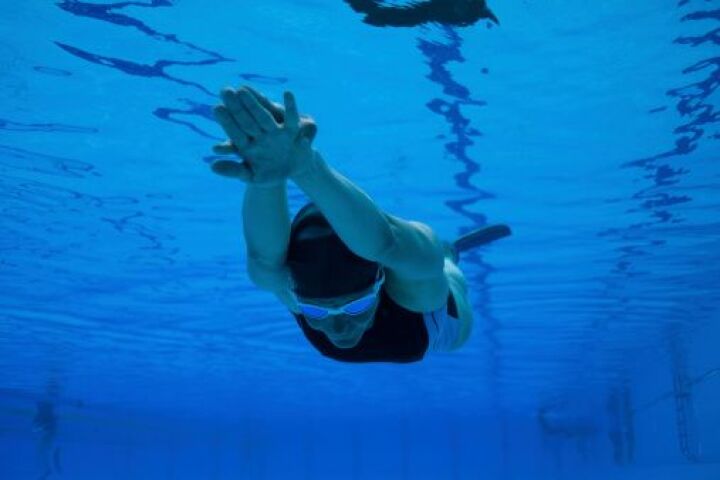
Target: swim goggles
(356,307)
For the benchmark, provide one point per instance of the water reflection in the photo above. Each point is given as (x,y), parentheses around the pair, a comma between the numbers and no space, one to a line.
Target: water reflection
(647,243)
(621,430)
(460,13)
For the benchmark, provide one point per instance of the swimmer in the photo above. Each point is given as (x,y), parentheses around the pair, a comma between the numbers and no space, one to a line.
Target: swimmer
(362,284)
(45,426)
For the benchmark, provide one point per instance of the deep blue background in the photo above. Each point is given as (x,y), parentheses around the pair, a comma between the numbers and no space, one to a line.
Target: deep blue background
(127,316)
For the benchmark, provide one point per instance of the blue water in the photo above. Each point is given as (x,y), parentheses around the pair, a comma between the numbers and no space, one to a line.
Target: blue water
(133,344)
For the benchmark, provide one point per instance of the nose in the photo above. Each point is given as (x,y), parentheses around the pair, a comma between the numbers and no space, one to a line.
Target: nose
(341,326)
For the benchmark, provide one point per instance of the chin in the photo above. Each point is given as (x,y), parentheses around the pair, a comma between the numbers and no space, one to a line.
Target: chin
(346,343)
(351,342)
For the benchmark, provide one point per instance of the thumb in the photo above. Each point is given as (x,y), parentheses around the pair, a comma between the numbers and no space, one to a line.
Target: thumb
(302,141)
(228,168)
(308,127)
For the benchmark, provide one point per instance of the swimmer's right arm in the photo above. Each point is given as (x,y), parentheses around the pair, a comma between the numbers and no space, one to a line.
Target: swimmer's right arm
(266,226)
(266,221)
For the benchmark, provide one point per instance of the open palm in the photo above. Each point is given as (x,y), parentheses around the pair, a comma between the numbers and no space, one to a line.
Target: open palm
(273,144)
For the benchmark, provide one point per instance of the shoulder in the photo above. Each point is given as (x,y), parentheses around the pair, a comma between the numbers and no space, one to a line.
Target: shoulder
(431,294)
(418,295)
(415,277)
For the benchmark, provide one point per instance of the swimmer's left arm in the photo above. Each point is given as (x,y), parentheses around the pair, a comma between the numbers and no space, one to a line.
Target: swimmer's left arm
(417,252)
(353,214)
(410,249)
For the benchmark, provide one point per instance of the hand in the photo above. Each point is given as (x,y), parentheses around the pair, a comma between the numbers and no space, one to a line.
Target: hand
(308,127)
(273,141)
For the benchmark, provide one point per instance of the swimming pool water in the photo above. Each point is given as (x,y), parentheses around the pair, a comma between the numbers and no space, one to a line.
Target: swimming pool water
(133,344)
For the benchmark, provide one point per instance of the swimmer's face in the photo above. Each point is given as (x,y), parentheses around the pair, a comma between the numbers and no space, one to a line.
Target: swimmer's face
(343,330)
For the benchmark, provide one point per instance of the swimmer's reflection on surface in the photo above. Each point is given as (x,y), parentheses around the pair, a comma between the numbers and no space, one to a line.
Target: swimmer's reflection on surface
(461,13)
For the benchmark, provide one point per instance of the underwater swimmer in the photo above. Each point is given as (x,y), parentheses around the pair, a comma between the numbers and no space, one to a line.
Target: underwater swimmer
(362,284)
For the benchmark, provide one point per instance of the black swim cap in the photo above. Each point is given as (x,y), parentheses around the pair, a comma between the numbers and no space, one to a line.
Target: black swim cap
(320,263)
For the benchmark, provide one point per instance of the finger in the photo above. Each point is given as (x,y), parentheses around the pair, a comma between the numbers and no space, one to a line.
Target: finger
(277,110)
(292,118)
(240,114)
(228,168)
(225,148)
(258,112)
(231,128)
(308,128)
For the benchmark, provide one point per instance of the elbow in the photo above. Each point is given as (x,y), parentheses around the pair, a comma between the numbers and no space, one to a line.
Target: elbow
(382,249)
(266,276)
(387,249)
(415,252)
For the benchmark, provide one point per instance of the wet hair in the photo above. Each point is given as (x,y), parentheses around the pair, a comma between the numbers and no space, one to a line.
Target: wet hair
(321,265)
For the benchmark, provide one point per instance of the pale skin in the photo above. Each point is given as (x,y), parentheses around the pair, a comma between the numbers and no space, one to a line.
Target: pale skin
(418,267)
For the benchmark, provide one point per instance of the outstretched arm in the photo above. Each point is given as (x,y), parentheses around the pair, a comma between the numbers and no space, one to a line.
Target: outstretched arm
(410,249)
(273,152)
(266,225)
(363,227)
(266,222)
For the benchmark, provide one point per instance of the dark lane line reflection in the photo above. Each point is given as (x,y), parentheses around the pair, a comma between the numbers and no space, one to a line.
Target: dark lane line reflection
(641,243)
(457,142)
(109,13)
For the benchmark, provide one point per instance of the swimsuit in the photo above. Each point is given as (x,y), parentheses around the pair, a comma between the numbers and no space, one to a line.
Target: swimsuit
(443,326)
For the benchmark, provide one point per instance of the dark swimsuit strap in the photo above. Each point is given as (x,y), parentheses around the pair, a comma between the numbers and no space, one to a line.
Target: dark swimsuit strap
(451,306)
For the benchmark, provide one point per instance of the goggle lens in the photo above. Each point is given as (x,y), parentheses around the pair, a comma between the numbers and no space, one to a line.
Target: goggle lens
(355,308)
(360,305)
(313,311)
